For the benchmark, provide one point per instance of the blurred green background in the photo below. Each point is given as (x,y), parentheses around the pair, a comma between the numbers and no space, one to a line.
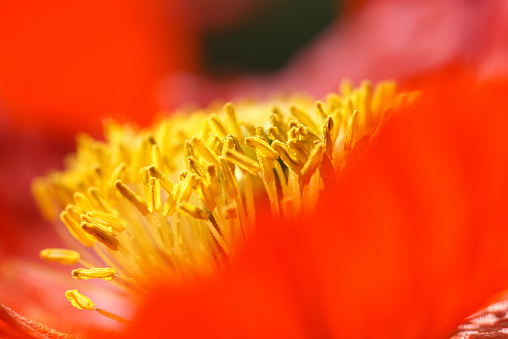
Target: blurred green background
(266,40)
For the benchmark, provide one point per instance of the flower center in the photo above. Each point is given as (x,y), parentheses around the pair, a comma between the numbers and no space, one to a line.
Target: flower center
(178,199)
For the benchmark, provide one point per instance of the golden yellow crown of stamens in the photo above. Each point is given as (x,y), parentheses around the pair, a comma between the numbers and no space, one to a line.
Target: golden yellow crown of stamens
(177,199)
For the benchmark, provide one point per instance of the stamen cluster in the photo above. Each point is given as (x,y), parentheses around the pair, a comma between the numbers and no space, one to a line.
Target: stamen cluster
(179,198)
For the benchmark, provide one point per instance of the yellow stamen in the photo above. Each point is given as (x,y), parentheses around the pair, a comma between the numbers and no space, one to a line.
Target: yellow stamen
(154,195)
(164,181)
(352,125)
(264,149)
(230,111)
(217,126)
(79,301)
(209,171)
(135,199)
(312,164)
(193,211)
(102,233)
(245,163)
(74,228)
(106,273)
(60,255)
(203,150)
(107,220)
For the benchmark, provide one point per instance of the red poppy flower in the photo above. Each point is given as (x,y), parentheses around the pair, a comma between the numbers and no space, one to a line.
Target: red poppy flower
(408,242)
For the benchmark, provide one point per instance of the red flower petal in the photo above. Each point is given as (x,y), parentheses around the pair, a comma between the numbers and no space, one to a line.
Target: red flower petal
(28,327)
(65,65)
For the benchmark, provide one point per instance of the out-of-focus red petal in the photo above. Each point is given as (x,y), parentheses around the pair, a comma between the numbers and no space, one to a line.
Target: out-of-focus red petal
(412,241)
(28,327)
(65,64)
(416,240)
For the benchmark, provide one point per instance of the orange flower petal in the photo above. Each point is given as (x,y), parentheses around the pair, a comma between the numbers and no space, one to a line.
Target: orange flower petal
(65,65)
(28,327)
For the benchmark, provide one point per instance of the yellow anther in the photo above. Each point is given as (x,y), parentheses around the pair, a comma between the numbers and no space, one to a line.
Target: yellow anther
(301,153)
(145,176)
(102,233)
(304,118)
(275,134)
(327,132)
(183,191)
(230,111)
(245,163)
(170,205)
(217,126)
(204,151)
(74,228)
(206,194)
(166,184)
(60,255)
(193,165)
(236,142)
(78,300)
(43,199)
(118,173)
(215,144)
(292,133)
(154,195)
(264,149)
(229,143)
(106,273)
(277,122)
(313,163)
(302,133)
(261,133)
(135,199)
(283,151)
(107,220)
(321,110)
(213,179)
(266,166)
(228,178)
(74,212)
(352,125)
(98,201)
(82,201)
(193,211)
(188,150)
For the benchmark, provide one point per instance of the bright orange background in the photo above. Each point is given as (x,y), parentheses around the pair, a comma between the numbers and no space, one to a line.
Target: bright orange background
(63,64)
